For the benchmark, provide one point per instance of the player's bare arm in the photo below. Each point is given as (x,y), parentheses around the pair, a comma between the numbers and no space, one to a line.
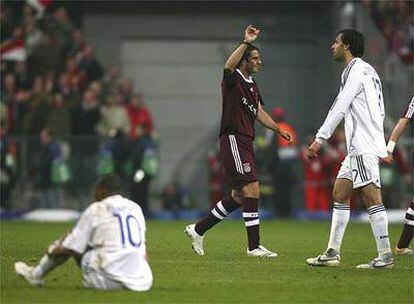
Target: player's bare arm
(395,136)
(250,35)
(266,120)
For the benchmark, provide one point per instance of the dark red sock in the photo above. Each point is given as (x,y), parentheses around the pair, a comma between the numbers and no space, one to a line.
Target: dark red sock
(407,233)
(222,209)
(251,221)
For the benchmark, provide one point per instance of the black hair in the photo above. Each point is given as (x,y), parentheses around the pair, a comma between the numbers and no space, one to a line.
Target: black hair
(110,183)
(355,40)
(247,53)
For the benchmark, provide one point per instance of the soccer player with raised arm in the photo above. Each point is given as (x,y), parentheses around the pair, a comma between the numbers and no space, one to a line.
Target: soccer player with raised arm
(360,102)
(403,246)
(108,242)
(242,105)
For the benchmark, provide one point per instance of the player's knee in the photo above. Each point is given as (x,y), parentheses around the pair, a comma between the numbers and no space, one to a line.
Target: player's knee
(340,196)
(252,190)
(237,196)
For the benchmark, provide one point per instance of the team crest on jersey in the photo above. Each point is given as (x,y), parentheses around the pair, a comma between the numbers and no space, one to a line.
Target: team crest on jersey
(246,167)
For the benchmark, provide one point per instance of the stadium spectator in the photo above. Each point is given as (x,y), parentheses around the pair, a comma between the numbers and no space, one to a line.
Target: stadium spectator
(317,185)
(59,119)
(139,116)
(112,79)
(284,178)
(96,238)
(84,120)
(39,107)
(114,116)
(48,153)
(90,65)
(7,167)
(144,167)
(126,89)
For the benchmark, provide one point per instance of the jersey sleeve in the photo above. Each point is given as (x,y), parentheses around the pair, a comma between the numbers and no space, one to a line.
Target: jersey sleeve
(79,237)
(229,77)
(341,105)
(410,110)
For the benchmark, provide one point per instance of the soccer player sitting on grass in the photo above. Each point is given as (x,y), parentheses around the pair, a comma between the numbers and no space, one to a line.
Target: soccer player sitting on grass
(108,243)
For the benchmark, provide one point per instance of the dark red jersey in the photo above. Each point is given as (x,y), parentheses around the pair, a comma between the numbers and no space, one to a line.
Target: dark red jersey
(241,100)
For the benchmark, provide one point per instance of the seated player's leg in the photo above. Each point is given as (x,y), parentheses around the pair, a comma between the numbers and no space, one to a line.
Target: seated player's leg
(403,246)
(251,193)
(342,191)
(34,274)
(367,181)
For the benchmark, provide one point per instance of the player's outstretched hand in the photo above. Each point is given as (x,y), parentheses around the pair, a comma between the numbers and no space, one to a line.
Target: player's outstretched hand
(314,149)
(286,135)
(251,33)
(388,160)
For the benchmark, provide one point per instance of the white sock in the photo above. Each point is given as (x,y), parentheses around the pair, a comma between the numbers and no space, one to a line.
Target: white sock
(379,225)
(340,219)
(46,264)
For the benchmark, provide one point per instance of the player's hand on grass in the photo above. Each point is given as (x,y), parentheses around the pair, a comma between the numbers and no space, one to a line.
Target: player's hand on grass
(388,160)
(313,149)
(251,33)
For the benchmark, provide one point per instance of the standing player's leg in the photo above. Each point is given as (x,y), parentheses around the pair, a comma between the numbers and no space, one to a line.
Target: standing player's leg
(403,246)
(371,195)
(220,211)
(251,193)
(340,217)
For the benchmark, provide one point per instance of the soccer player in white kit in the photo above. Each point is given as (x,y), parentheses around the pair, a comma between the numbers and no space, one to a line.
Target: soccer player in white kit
(360,102)
(108,242)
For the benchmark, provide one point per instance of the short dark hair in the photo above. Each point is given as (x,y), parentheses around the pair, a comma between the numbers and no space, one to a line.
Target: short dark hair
(247,53)
(355,40)
(110,183)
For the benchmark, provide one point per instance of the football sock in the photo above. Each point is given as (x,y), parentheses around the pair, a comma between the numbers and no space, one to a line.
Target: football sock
(407,233)
(251,221)
(379,225)
(46,264)
(222,209)
(340,219)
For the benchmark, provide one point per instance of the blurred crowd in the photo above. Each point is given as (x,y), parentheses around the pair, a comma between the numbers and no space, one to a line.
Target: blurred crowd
(56,92)
(395,20)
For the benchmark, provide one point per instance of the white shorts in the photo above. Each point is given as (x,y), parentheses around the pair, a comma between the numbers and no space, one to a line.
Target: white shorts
(361,170)
(93,277)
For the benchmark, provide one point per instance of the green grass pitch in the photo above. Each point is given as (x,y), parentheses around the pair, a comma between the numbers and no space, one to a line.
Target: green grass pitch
(225,273)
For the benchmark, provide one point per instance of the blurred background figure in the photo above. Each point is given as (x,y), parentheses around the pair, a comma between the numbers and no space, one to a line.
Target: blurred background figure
(285,164)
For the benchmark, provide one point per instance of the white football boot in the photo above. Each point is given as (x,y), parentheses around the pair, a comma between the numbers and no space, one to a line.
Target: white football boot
(403,251)
(26,272)
(329,258)
(261,251)
(195,238)
(383,261)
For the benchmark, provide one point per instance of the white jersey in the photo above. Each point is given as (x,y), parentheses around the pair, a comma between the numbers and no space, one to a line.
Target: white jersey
(360,102)
(114,229)
(410,110)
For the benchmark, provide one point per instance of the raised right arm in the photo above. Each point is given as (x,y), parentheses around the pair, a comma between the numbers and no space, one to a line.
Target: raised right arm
(250,35)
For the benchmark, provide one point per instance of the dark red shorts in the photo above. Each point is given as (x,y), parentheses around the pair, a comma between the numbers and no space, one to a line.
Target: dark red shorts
(237,156)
